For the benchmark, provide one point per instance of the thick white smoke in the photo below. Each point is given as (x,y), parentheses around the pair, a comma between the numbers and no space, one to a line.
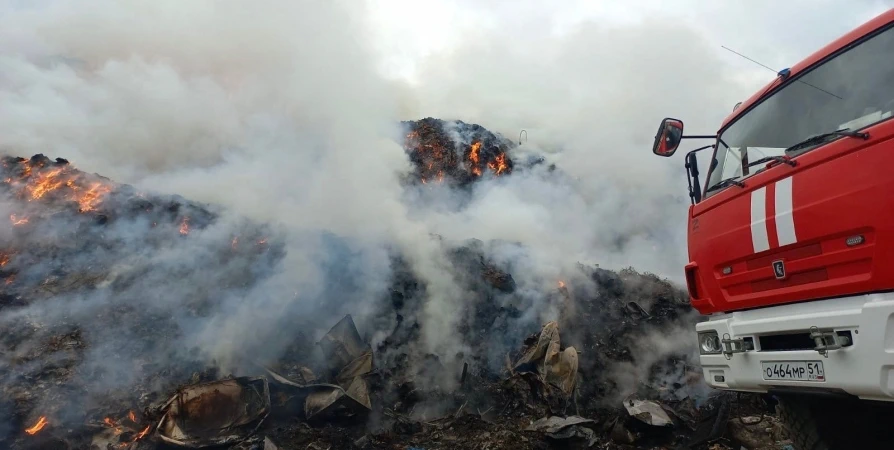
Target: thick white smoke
(272,110)
(277,111)
(593,99)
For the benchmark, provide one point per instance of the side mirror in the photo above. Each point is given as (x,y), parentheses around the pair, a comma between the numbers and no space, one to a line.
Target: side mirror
(668,137)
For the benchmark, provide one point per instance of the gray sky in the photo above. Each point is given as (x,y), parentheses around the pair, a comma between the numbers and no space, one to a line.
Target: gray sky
(775,33)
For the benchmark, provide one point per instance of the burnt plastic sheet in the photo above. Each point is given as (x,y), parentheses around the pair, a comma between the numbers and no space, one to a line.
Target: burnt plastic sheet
(548,362)
(561,428)
(648,412)
(349,359)
(342,345)
(220,412)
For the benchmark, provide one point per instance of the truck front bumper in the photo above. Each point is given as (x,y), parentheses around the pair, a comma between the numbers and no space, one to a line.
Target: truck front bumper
(864,369)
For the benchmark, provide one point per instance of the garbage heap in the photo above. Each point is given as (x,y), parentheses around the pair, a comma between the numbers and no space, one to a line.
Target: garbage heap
(454,152)
(592,376)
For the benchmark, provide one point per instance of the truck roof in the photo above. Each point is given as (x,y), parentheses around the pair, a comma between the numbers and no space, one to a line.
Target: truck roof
(836,45)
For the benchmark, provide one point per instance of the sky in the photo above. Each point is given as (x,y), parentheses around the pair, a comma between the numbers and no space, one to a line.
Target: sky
(775,33)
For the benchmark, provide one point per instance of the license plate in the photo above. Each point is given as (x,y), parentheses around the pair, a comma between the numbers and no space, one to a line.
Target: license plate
(793,370)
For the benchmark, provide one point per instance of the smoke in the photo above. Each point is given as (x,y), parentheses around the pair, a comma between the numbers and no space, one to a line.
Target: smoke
(589,83)
(651,367)
(591,100)
(278,113)
(271,110)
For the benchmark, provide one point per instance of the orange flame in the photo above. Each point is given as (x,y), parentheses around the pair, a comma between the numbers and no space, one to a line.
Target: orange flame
(42,422)
(46,182)
(234,242)
(440,176)
(4,259)
(10,280)
(475,158)
(120,430)
(184,226)
(143,433)
(17,221)
(262,241)
(51,180)
(561,284)
(91,198)
(499,164)
(113,424)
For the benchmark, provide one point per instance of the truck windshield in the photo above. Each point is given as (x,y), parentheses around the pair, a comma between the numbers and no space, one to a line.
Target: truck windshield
(853,90)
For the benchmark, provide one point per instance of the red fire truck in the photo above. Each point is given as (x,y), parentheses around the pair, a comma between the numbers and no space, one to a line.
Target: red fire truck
(791,242)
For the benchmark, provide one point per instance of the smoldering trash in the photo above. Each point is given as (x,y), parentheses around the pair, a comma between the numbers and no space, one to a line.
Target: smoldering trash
(215,413)
(110,298)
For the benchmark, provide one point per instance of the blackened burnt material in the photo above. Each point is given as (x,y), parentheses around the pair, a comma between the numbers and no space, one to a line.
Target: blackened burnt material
(454,151)
(99,373)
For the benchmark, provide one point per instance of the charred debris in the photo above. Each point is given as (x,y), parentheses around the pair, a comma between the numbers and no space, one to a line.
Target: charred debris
(454,152)
(581,380)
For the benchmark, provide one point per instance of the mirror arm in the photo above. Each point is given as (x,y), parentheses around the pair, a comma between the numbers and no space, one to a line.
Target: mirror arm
(689,177)
(695,190)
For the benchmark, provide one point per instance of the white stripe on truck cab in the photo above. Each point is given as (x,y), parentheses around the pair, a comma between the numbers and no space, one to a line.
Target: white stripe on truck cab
(785,217)
(759,239)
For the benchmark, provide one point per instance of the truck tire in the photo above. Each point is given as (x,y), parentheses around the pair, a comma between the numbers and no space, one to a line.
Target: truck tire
(818,423)
(797,419)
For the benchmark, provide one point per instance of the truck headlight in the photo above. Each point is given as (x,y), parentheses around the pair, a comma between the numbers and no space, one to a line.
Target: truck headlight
(709,343)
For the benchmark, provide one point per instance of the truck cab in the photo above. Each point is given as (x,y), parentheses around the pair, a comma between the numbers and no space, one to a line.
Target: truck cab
(791,238)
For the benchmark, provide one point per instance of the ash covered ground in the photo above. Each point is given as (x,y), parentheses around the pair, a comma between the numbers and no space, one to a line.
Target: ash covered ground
(118,306)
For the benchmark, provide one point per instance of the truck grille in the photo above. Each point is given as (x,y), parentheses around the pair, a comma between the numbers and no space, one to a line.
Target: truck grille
(793,254)
(797,279)
(794,341)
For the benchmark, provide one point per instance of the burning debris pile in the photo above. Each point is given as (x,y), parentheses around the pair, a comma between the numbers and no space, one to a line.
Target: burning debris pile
(80,264)
(455,151)
(67,213)
(589,376)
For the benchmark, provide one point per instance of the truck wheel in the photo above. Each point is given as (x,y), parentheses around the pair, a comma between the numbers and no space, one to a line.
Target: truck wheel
(815,423)
(800,425)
